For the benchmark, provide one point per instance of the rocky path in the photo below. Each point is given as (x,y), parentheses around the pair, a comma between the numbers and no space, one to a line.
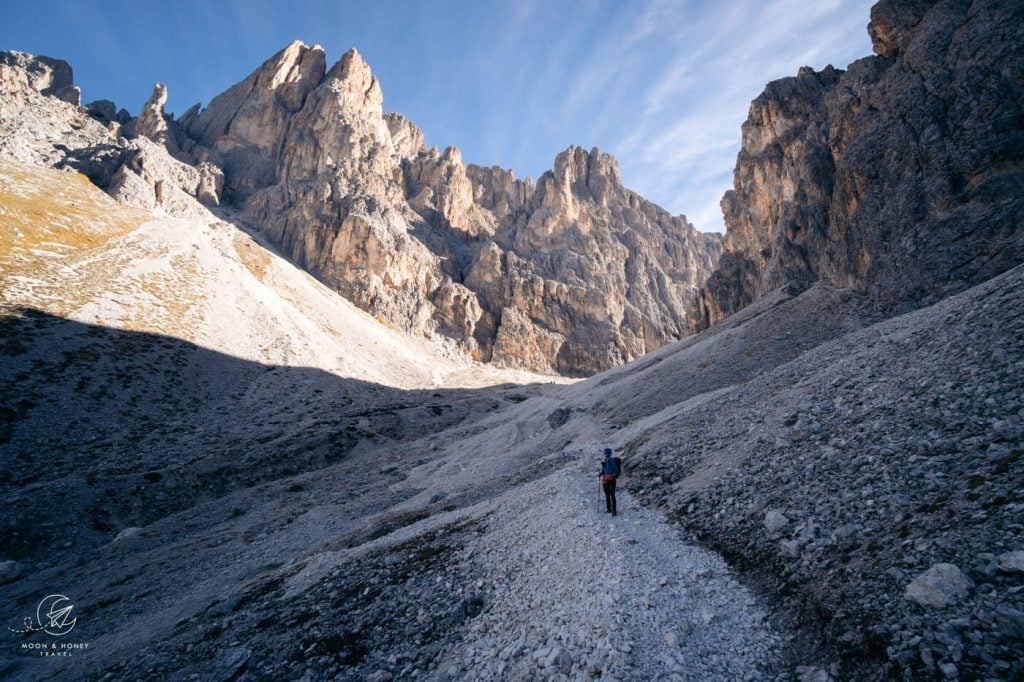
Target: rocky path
(569,592)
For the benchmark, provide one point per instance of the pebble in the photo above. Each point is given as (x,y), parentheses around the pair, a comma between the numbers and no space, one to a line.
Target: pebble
(1012,562)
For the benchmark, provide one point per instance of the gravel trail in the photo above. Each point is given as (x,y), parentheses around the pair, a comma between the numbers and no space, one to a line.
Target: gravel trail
(569,592)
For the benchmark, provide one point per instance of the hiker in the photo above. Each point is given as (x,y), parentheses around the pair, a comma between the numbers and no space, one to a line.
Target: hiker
(610,469)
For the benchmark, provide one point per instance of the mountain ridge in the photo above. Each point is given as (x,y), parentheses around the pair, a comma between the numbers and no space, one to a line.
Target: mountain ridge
(292,515)
(502,270)
(294,127)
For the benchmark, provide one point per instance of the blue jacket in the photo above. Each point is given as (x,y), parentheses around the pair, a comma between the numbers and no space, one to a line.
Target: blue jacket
(609,466)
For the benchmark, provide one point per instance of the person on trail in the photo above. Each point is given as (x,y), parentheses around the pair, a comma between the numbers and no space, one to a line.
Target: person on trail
(610,470)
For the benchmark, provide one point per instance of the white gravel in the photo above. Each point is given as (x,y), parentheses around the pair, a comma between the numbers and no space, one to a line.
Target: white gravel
(570,592)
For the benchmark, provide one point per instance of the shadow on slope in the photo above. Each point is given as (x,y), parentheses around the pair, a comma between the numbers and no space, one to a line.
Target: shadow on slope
(103,429)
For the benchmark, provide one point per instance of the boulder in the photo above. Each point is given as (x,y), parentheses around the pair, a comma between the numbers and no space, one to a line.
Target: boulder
(1011,622)
(940,586)
(130,533)
(790,548)
(9,571)
(810,673)
(1012,562)
(775,521)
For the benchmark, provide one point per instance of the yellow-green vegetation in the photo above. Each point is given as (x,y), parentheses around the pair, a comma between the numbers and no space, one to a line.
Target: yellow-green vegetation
(65,244)
(253,256)
(43,209)
(50,222)
(173,299)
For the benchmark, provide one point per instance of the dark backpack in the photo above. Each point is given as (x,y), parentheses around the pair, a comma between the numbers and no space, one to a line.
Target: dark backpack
(618,466)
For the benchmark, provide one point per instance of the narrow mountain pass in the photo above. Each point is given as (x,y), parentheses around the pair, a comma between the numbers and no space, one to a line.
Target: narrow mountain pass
(568,591)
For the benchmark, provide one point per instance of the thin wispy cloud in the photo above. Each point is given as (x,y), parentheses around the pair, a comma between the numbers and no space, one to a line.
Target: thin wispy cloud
(681,144)
(665,86)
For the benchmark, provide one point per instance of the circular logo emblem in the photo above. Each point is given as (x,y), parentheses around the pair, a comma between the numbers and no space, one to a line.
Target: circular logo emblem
(54,615)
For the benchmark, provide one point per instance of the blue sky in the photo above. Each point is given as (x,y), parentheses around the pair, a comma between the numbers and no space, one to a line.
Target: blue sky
(662,85)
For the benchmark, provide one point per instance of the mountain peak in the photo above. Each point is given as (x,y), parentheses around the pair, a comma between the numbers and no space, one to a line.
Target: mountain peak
(246,124)
(361,89)
(351,63)
(584,173)
(295,60)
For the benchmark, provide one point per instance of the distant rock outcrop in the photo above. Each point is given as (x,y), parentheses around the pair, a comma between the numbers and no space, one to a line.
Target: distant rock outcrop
(900,177)
(152,122)
(42,124)
(596,273)
(148,178)
(48,76)
(38,125)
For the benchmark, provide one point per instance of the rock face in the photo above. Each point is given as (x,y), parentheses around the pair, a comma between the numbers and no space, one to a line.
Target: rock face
(1012,562)
(48,76)
(41,124)
(572,274)
(151,121)
(247,124)
(148,178)
(37,125)
(899,177)
(596,271)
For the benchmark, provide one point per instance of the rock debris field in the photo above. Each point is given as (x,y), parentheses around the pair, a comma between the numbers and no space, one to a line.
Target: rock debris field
(234,472)
(572,591)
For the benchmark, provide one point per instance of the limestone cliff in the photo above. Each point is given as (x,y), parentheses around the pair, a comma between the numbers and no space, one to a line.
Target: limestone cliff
(42,124)
(597,274)
(572,274)
(245,125)
(900,177)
